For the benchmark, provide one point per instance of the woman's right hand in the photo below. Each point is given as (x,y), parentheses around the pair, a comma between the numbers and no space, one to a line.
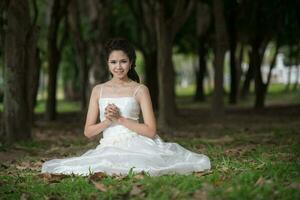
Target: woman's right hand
(111,112)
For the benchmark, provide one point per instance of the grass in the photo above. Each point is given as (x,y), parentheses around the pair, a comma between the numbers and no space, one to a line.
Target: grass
(260,165)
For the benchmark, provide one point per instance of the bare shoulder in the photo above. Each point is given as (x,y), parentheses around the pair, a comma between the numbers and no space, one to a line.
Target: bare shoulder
(141,90)
(97,89)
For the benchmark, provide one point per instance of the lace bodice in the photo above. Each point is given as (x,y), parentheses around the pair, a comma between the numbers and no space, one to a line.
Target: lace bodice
(128,105)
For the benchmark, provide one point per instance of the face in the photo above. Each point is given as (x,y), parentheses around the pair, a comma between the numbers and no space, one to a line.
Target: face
(119,64)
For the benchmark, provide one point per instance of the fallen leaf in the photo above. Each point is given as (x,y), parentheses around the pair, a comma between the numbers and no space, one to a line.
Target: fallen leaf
(137,190)
(24,196)
(295,186)
(29,165)
(52,178)
(99,186)
(175,193)
(97,176)
(203,173)
(200,195)
(260,181)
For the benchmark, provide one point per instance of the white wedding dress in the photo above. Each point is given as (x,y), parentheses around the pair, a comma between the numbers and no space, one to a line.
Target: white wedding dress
(121,150)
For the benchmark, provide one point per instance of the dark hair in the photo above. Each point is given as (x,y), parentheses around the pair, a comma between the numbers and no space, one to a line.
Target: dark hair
(123,45)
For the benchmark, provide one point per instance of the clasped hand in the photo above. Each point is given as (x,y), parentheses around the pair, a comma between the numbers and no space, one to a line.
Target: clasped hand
(112,112)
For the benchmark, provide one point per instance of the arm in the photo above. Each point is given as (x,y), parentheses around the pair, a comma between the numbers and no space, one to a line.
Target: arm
(148,128)
(91,127)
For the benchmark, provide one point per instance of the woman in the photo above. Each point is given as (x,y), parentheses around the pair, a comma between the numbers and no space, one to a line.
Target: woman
(127,144)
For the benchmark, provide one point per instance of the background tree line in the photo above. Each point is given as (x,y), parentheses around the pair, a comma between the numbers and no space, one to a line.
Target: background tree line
(39,37)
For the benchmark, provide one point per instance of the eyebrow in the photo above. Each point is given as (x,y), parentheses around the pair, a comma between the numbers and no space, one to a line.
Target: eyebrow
(120,59)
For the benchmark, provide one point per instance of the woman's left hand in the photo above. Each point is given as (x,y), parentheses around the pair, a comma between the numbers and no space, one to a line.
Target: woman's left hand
(112,112)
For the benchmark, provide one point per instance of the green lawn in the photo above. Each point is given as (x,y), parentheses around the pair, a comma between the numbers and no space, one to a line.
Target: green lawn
(263,165)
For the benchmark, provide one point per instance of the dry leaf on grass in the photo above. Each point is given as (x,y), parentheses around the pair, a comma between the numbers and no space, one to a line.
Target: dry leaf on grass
(239,151)
(200,195)
(220,140)
(52,178)
(137,190)
(203,173)
(97,176)
(99,186)
(295,186)
(25,196)
(261,181)
(29,165)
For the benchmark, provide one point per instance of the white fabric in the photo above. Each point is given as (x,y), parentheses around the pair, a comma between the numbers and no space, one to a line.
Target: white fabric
(121,149)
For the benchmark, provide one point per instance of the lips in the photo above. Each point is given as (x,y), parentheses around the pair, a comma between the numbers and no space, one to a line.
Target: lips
(119,72)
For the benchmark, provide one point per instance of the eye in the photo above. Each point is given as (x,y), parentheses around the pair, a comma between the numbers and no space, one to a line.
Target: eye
(124,61)
(112,62)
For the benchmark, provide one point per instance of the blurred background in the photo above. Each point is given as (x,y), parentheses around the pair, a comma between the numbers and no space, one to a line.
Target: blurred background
(199,58)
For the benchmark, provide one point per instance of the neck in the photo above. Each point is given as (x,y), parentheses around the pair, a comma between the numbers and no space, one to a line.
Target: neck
(120,81)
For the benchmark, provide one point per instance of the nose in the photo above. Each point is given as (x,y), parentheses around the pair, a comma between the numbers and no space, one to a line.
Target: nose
(119,64)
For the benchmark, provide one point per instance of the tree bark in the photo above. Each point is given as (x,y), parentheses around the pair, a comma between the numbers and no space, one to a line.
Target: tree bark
(58,11)
(151,78)
(200,72)
(166,78)
(80,47)
(297,78)
(287,87)
(260,89)
(98,12)
(16,110)
(239,69)
(203,21)
(166,30)
(33,66)
(220,49)
(144,13)
(248,78)
(231,23)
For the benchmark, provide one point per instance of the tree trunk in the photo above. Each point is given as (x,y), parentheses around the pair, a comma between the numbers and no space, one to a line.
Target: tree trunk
(248,78)
(287,87)
(16,111)
(203,22)
(34,66)
(260,88)
(166,30)
(220,49)
(239,69)
(200,72)
(80,47)
(144,14)
(297,78)
(233,71)
(166,80)
(151,78)
(58,11)
(98,12)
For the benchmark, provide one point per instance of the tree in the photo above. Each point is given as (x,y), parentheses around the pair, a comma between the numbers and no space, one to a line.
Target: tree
(145,40)
(232,6)
(99,14)
(166,30)
(19,45)
(203,23)
(220,49)
(80,48)
(54,47)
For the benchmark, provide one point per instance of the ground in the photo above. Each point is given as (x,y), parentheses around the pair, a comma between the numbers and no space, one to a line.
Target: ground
(254,155)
